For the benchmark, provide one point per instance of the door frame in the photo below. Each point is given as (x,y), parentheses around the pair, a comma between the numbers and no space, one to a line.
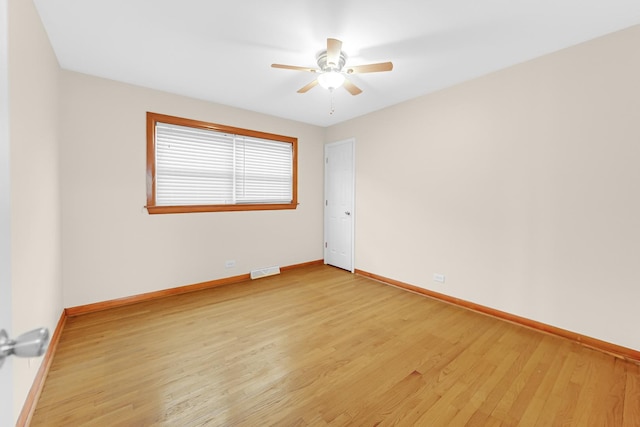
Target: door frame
(351,141)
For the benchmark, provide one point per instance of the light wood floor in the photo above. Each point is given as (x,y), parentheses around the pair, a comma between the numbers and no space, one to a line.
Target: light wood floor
(319,346)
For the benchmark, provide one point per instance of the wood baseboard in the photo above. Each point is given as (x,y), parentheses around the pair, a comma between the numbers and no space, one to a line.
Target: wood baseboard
(104,305)
(302,265)
(120,302)
(24,419)
(594,343)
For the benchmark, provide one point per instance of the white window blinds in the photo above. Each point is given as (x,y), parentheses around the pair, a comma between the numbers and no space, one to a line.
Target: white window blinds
(196,166)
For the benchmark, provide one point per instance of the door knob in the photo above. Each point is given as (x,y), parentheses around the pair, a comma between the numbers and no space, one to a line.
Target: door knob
(347,213)
(30,344)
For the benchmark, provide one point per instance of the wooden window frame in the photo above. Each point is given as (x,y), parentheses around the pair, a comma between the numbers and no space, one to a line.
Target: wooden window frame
(152,208)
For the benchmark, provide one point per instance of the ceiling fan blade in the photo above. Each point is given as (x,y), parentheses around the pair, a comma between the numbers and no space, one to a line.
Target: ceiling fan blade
(334,46)
(295,67)
(353,89)
(370,68)
(307,87)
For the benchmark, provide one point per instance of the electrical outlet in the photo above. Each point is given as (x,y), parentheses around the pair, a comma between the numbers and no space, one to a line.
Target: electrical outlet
(230,264)
(438,278)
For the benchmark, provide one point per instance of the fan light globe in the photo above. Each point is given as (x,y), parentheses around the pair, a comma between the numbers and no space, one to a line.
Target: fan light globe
(331,80)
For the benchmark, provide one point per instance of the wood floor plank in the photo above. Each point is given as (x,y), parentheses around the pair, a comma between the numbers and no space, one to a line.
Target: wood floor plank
(550,370)
(631,416)
(319,346)
(609,409)
(526,382)
(561,391)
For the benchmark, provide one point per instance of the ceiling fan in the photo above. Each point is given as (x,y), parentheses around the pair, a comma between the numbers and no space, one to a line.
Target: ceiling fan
(332,70)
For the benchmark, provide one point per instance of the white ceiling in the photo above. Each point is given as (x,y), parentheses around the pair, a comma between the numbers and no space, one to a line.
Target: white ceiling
(221,51)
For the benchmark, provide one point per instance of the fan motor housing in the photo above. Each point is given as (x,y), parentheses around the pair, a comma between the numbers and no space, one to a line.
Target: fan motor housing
(324,66)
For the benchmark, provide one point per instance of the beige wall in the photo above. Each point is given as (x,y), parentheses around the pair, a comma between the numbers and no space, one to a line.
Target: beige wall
(35,197)
(6,303)
(113,248)
(522,187)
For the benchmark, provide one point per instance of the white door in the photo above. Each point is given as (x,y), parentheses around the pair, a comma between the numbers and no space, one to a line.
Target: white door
(6,375)
(339,191)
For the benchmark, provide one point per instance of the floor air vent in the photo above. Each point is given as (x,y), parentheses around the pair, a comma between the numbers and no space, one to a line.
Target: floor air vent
(264,272)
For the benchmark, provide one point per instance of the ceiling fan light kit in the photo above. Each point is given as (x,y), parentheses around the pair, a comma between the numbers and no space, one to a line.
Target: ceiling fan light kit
(331,69)
(331,79)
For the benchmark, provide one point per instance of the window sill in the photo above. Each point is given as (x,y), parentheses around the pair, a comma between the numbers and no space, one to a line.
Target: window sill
(153,210)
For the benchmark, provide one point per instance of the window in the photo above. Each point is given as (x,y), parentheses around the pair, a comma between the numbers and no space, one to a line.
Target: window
(195,166)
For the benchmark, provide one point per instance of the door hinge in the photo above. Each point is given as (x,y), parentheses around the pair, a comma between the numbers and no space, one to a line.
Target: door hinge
(325,244)
(326,160)
(326,203)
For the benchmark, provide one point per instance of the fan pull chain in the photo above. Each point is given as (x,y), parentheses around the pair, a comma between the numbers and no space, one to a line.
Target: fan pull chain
(332,106)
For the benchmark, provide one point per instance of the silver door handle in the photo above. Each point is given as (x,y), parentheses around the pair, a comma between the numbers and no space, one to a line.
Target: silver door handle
(347,213)
(30,344)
